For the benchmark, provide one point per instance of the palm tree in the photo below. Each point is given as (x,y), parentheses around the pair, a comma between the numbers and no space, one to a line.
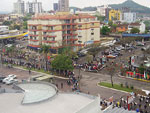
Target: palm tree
(45,49)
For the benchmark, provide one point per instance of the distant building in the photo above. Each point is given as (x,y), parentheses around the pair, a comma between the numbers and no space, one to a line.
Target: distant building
(93,13)
(122,28)
(4,29)
(129,17)
(114,15)
(34,7)
(141,26)
(65,30)
(63,5)
(103,10)
(19,7)
(55,6)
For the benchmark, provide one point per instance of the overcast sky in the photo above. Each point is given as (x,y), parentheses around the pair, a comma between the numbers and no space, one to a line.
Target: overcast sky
(7,5)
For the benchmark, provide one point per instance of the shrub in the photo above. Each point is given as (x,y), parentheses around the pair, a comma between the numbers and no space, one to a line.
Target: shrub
(132,87)
(121,85)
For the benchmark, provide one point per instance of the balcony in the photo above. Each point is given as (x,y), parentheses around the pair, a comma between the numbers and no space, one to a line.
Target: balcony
(34,29)
(33,40)
(32,35)
(70,34)
(49,36)
(47,41)
(71,39)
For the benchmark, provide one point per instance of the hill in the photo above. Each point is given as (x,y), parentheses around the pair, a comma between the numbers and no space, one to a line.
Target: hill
(133,6)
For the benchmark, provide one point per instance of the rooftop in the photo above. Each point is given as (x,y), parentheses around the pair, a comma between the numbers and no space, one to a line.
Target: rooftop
(61,17)
(60,103)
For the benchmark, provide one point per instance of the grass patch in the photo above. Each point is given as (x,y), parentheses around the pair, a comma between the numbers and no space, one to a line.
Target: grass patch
(116,86)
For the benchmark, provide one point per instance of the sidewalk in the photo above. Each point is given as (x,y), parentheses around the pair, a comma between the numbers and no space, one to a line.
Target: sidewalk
(40,73)
(134,79)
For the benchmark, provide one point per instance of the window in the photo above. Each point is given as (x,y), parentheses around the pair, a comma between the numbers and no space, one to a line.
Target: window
(79,25)
(51,28)
(34,32)
(45,38)
(53,39)
(92,33)
(31,37)
(79,19)
(44,33)
(92,24)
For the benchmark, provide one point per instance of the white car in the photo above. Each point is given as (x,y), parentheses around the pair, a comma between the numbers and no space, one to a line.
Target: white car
(9,77)
(12,76)
(11,81)
(5,79)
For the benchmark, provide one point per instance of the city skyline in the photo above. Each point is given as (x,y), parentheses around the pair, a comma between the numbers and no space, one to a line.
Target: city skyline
(7,5)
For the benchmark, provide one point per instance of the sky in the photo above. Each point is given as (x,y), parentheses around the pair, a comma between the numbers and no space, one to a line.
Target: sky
(7,5)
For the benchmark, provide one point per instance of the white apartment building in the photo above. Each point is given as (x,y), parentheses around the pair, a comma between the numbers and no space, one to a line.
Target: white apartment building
(63,31)
(4,29)
(141,26)
(103,10)
(19,7)
(34,7)
(129,17)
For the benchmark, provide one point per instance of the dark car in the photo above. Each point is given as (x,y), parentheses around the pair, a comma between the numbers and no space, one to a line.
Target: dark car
(1,79)
(79,54)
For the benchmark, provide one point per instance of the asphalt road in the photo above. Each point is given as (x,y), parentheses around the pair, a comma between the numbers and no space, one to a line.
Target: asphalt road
(89,84)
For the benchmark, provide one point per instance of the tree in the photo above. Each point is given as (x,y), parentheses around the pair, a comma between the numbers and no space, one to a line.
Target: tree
(135,30)
(110,23)
(16,27)
(112,70)
(62,63)
(105,30)
(25,26)
(7,23)
(45,49)
(95,50)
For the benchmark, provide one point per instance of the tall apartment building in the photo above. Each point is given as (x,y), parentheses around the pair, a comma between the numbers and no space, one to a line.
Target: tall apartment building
(19,7)
(63,30)
(129,17)
(63,5)
(34,7)
(55,6)
(114,15)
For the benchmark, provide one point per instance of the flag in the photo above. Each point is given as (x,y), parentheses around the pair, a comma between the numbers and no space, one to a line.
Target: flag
(145,75)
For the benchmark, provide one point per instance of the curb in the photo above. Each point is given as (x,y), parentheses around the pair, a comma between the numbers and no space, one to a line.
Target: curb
(113,89)
(134,79)
(40,73)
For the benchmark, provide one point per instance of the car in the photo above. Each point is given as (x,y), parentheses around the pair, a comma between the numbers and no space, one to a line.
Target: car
(1,79)
(140,44)
(5,79)
(11,76)
(111,56)
(80,54)
(11,81)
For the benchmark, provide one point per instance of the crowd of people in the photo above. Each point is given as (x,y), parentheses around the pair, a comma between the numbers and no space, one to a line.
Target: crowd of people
(139,104)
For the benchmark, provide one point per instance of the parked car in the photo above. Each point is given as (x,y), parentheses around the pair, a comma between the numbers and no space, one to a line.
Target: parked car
(1,79)
(140,44)
(111,56)
(11,76)
(11,81)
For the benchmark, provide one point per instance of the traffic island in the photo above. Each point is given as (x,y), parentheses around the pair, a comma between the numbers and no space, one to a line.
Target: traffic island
(116,87)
